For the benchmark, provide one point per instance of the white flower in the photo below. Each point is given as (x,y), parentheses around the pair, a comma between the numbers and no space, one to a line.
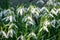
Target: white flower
(4,34)
(21,37)
(21,10)
(44,9)
(28,20)
(40,1)
(38,9)
(11,18)
(12,25)
(24,19)
(33,10)
(50,2)
(46,23)
(11,32)
(58,10)
(53,12)
(32,34)
(51,15)
(45,28)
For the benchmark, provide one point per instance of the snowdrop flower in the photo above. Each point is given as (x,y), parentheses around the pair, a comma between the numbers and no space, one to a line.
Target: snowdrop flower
(37,12)
(10,12)
(38,9)
(21,37)
(33,10)
(12,25)
(12,18)
(21,10)
(32,34)
(4,34)
(50,15)
(6,18)
(44,8)
(40,1)
(50,2)
(31,21)
(58,10)
(24,19)
(54,12)
(46,23)
(28,20)
(36,15)
(45,28)
(11,32)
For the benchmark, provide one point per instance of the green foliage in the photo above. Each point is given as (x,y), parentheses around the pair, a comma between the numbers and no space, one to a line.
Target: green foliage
(4,4)
(31,23)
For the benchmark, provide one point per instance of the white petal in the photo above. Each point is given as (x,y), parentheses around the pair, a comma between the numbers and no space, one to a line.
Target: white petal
(45,28)
(4,34)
